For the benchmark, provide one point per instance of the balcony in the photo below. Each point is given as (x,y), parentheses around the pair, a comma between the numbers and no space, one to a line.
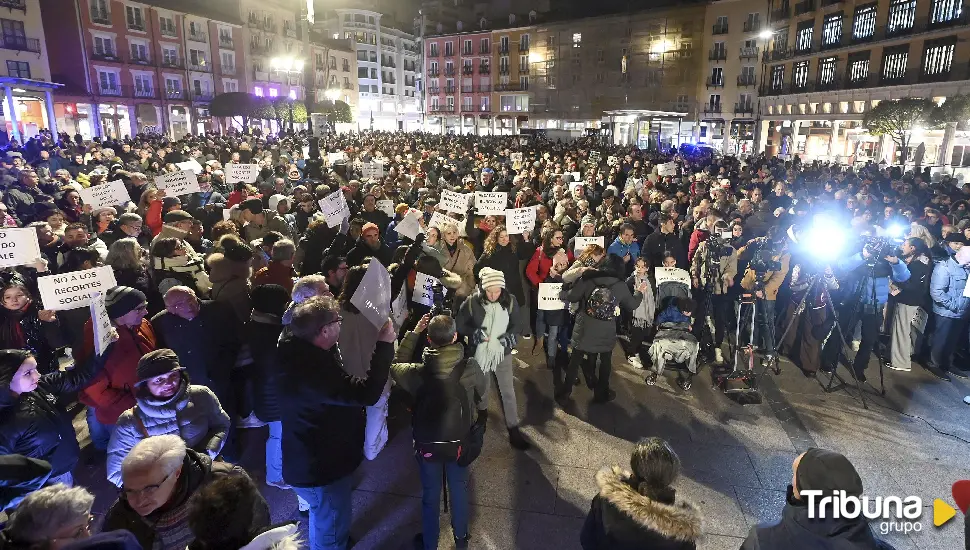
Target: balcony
(523,69)
(100,18)
(467,71)
(225,42)
(389,64)
(449,71)
(775,55)
(484,69)
(199,37)
(202,67)
(136,26)
(441,109)
(503,49)
(752,25)
(484,50)
(390,81)
(168,31)
(468,108)
(742,108)
(289,32)
(467,89)
(781,14)
(715,82)
(449,89)
(747,81)
(503,70)
(202,95)
(484,89)
(171,93)
(434,53)
(434,91)
(21,44)
(228,70)
(434,73)
(717,55)
(803,7)
(14,5)
(720,29)
(141,92)
(173,62)
(139,60)
(511,87)
(109,55)
(712,109)
(749,53)
(523,47)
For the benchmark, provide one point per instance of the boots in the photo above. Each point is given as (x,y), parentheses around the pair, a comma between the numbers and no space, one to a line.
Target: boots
(517,440)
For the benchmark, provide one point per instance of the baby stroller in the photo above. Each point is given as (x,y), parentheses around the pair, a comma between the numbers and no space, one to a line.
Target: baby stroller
(673,346)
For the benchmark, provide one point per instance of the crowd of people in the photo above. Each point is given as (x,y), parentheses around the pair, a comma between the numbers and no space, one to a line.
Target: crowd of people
(245,305)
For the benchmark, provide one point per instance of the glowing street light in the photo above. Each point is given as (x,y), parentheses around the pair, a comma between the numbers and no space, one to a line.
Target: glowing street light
(765,34)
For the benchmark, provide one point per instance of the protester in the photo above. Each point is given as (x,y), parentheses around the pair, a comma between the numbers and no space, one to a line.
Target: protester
(52,517)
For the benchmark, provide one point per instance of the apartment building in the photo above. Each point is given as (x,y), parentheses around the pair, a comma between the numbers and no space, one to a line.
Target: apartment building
(130,67)
(335,64)
(27,101)
(830,61)
(458,76)
(274,45)
(510,79)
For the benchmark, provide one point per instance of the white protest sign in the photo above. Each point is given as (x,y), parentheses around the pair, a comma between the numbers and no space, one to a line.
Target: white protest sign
(523,141)
(306,151)
(667,169)
(668,274)
(386,207)
(245,173)
(18,246)
(576,176)
(372,170)
(454,202)
(226,213)
(491,203)
(334,208)
(439,220)
(409,226)
(583,242)
(74,289)
(919,320)
(178,183)
(516,157)
(335,157)
(101,323)
(373,296)
(550,297)
(191,165)
(520,220)
(423,293)
(106,194)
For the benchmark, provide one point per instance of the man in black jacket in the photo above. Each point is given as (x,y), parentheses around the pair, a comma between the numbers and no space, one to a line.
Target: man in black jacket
(907,297)
(666,240)
(323,416)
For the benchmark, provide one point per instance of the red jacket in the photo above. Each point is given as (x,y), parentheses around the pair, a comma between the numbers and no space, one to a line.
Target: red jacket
(275,273)
(695,239)
(111,391)
(538,267)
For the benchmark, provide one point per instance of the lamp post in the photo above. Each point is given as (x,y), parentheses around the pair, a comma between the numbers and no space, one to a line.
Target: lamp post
(289,66)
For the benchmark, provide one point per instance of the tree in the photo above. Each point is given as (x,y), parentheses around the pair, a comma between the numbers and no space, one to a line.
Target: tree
(898,117)
(235,104)
(337,111)
(955,109)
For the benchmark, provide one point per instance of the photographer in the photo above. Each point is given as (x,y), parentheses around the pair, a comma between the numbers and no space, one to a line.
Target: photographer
(712,272)
(765,273)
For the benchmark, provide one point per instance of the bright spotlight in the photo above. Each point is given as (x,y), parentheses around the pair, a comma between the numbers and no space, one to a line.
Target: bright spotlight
(825,239)
(896,231)
(765,34)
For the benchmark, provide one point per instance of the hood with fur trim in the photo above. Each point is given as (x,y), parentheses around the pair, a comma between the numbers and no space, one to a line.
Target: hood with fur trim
(681,521)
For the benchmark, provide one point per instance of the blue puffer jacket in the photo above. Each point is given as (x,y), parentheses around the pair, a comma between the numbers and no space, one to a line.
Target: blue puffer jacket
(900,274)
(946,289)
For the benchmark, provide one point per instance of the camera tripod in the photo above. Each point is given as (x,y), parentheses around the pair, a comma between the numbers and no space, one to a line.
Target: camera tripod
(743,379)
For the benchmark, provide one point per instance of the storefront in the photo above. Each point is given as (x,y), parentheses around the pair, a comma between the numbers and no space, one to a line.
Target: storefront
(28,107)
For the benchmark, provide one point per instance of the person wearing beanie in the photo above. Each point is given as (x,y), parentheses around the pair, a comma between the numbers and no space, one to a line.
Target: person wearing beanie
(369,246)
(825,471)
(491,321)
(167,403)
(110,392)
(640,509)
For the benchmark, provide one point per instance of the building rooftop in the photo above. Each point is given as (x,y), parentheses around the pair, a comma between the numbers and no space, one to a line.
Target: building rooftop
(219,11)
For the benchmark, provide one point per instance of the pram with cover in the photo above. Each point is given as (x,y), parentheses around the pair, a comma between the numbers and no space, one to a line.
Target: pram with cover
(674,345)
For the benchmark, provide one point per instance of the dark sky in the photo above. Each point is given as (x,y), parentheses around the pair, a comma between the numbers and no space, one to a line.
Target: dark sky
(585,8)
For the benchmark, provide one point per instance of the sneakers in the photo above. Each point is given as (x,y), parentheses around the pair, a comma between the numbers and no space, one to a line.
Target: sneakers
(281,485)
(939,373)
(953,371)
(718,356)
(892,366)
(605,397)
(250,422)
(855,345)
(635,362)
(517,440)
(527,337)
(651,379)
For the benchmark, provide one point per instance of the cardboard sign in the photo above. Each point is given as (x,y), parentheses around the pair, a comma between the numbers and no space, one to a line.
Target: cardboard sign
(491,204)
(520,220)
(178,183)
(550,297)
(190,165)
(454,202)
(667,169)
(516,157)
(423,285)
(74,290)
(334,208)
(409,226)
(671,274)
(18,246)
(582,242)
(101,323)
(107,194)
(333,158)
(373,296)
(372,170)
(386,207)
(576,176)
(245,173)
(226,213)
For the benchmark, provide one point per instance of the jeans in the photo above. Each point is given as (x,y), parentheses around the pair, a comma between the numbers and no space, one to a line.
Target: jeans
(100,433)
(588,363)
(721,317)
(330,513)
(949,331)
(431,479)
(552,334)
(274,453)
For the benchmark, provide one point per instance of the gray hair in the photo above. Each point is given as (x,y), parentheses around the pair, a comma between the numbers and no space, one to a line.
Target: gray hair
(307,287)
(311,316)
(283,250)
(47,510)
(124,254)
(165,451)
(128,217)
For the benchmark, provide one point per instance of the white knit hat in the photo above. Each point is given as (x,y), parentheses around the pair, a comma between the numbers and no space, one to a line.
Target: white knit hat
(491,277)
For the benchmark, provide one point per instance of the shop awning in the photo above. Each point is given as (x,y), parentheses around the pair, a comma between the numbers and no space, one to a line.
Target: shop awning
(29,84)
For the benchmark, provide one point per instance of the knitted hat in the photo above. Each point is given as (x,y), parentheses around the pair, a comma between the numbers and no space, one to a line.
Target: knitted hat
(370,226)
(491,277)
(122,299)
(176,216)
(271,299)
(156,363)
(588,220)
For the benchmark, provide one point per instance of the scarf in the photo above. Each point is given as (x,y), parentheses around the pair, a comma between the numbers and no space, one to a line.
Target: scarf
(490,353)
(643,314)
(11,332)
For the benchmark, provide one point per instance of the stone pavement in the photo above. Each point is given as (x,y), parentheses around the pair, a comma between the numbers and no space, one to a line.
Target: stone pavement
(736,459)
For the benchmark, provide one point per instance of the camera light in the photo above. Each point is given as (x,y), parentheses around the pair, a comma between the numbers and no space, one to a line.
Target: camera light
(825,240)
(896,231)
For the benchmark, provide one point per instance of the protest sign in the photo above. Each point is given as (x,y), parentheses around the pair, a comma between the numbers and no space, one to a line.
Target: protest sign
(550,297)
(520,220)
(423,289)
(333,158)
(178,183)
(107,194)
(454,202)
(576,176)
(919,320)
(372,170)
(667,169)
(523,141)
(386,207)
(612,161)
(491,203)
(439,220)
(74,289)
(516,157)
(373,296)
(409,226)
(306,151)
(18,246)
(191,165)
(244,173)
(583,242)
(675,274)
(334,208)
(101,323)
(226,213)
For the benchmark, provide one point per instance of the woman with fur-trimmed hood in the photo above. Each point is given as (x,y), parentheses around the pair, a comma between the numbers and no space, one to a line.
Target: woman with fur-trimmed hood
(640,511)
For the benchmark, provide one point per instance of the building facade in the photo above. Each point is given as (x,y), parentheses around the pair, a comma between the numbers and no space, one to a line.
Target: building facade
(510,79)
(831,61)
(273,35)
(458,91)
(28,104)
(335,64)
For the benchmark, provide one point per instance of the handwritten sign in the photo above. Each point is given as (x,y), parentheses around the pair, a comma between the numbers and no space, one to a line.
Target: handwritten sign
(667,169)
(550,297)
(190,165)
(18,246)
(583,242)
(576,176)
(334,208)
(454,202)
(423,289)
(520,220)
(386,207)
(74,290)
(334,158)
(106,194)
(372,170)
(101,323)
(373,296)
(409,226)
(919,320)
(178,183)
(439,220)
(671,274)
(516,157)
(491,203)
(244,173)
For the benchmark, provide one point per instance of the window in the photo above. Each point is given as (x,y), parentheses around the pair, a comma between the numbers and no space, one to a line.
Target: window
(13,34)
(230,86)
(467,48)
(721,26)
(577,39)
(139,52)
(273,92)
(228,60)
(748,74)
(361,55)
(194,29)
(503,64)
(99,11)
(197,57)
(170,56)
(433,49)
(518,103)
(944,11)
(753,23)
(524,43)
(826,70)
(292,94)
(714,103)
(777,77)
(258,91)
(373,74)
(799,74)
(484,104)
(450,101)
(902,16)
(20,69)
(894,62)
(361,72)
(104,46)
(449,48)
(143,84)
(744,101)
(434,103)
(373,57)
(466,66)
(523,83)
(173,86)
(466,103)
(107,80)
(717,76)
(803,37)
(832,30)
(858,67)
(167,25)
(133,17)
(938,57)
(523,62)
(504,44)
(720,51)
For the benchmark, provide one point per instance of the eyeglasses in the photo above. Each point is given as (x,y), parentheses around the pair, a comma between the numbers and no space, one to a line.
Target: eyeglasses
(148,490)
(81,531)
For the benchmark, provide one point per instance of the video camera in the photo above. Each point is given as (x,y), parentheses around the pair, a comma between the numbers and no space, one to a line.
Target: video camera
(880,247)
(438,301)
(762,261)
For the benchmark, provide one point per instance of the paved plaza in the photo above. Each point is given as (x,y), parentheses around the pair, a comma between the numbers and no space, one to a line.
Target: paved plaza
(736,459)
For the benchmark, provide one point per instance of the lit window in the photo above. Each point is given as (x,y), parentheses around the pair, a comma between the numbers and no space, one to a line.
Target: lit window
(832,30)
(938,57)
(803,39)
(944,11)
(894,62)
(902,16)
(859,68)
(273,92)
(292,94)
(799,74)
(826,70)
(864,24)
(258,91)
(577,39)
(777,77)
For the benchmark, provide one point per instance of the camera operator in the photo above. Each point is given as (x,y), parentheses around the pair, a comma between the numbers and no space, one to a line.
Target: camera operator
(712,272)
(765,273)
(906,298)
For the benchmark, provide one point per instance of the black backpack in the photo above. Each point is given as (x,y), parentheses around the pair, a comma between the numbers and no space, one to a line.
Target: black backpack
(441,416)
(601,303)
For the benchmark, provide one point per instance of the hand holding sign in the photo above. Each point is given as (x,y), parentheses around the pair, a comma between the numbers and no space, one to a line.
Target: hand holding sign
(106,194)
(74,289)
(373,295)
(491,204)
(550,297)
(334,208)
(582,242)
(454,202)
(423,289)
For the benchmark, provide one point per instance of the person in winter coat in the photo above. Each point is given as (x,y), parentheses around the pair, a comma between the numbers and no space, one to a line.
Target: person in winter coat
(174,264)
(31,422)
(167,404)
(950,311)
(24,325)
(905,299)
(111,391)
(625,247)
(491,321)
(225,515)
(230,272)
(50,518)
(640,510)
(800,529)
(369,246)
(461,261)
(713,295)
(643,315)
(160,475)
(428,265)
(549,322)
(600,293)
(502,254)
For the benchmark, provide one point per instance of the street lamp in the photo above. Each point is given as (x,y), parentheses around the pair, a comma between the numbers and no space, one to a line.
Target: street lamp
(765,34)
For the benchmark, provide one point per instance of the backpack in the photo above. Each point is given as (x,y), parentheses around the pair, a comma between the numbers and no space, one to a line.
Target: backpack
(441,416)
(601,304)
